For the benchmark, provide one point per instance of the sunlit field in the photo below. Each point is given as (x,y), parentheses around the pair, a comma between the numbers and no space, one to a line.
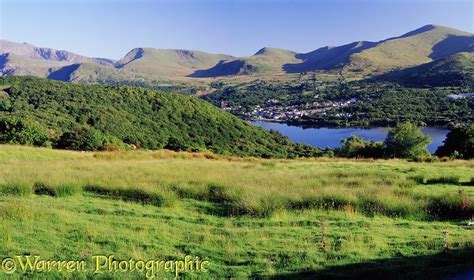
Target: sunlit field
(246,216)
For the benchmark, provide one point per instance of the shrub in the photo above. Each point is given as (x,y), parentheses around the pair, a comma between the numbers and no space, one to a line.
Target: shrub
(358,147)
(22,130)
(406,141)
(81,138)
(459,143)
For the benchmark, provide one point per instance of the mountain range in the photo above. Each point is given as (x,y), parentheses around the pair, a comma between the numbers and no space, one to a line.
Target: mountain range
(387,58)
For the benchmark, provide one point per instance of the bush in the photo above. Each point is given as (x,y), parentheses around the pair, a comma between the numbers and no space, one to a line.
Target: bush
(360,148)
(22,130)
(406,141)
(81,138)
(459,143)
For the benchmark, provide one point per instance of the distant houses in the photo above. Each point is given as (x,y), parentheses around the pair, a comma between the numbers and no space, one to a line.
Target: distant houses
(461,95)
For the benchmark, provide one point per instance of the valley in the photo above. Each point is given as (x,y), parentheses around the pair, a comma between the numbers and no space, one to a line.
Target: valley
(330,86)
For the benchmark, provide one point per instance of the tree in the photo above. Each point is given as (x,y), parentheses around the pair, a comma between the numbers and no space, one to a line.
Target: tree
(459,141)
(81,138)
(357,147)
(22,130)
(406,141)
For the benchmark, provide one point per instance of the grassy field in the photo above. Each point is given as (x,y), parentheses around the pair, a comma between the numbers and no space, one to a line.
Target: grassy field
(281,219)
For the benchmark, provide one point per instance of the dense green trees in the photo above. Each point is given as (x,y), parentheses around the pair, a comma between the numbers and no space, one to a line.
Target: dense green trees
(81,138)
(458,143)
(355,147)
(88,117)
(22,130)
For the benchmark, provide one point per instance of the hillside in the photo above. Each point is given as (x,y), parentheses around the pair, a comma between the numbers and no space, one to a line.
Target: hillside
(148,119)
(167,62)
(454,70)
(264,61)
(25,59)
(428,43)
(417,47)
(355,60)
(327,58)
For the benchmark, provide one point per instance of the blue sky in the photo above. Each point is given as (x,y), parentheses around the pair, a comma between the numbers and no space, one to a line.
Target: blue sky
(110,28)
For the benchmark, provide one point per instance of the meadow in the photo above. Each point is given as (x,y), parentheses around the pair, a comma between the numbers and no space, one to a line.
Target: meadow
(249,217)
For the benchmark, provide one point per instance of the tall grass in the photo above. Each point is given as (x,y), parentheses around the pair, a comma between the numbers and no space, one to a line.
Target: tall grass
(251,187)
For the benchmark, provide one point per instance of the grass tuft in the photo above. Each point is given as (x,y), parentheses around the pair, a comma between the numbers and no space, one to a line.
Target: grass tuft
(16,188)
(450,180)
(128,194)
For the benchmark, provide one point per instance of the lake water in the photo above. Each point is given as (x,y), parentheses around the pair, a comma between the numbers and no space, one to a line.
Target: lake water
(331,137)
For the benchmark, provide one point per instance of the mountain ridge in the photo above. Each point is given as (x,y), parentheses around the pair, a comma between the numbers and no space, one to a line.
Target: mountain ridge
(359,59)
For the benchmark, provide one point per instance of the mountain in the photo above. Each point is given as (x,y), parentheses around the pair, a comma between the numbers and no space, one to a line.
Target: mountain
(454,70)
(363,58)
(25,59)
(133,115)
(168,62)
(327,58)
(360,59)
(417,47)
(264,61)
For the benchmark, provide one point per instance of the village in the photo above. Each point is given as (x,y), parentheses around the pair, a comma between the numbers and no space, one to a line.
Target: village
(275,111)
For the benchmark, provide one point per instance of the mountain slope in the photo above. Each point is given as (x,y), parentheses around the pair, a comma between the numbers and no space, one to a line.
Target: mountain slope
(454,70)
(37,53)
(362,58)
(168,62)
(264,61)
(420,46)
(358,59)
(327,58)
(145,118)
(25,59)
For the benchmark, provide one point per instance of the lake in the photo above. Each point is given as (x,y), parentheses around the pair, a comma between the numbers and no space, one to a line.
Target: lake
(331,137)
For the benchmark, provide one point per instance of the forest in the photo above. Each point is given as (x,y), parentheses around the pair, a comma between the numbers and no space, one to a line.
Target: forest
(41,112)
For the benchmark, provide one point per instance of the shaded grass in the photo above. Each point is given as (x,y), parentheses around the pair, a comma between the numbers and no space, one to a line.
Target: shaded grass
(129,194)
(237,247)
(437,266)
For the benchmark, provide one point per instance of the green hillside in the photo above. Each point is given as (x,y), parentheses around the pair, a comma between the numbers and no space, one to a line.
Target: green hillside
(420,46)
(455,70)
(167,62)
(90,73)
(145,118)
(327,58)
(266,60)
(145,66)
